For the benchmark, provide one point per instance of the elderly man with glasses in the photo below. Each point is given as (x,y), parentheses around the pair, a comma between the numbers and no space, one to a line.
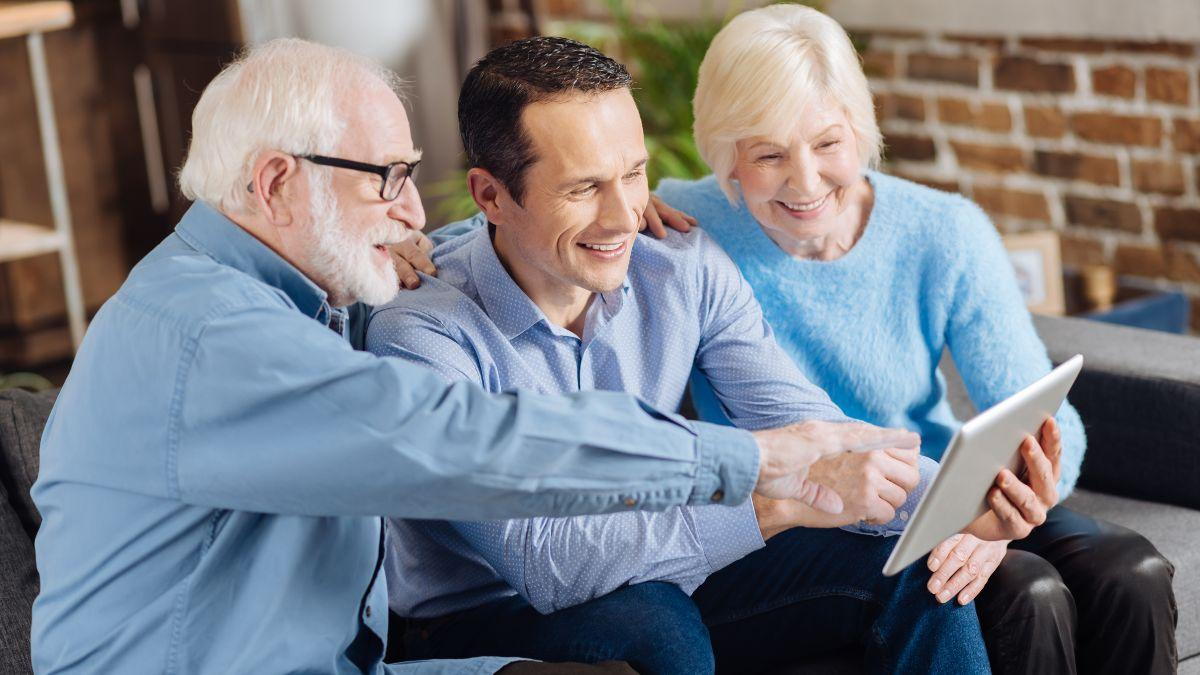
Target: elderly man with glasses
(216,465)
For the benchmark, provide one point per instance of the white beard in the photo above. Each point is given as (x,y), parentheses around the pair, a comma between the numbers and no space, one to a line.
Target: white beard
(343,263)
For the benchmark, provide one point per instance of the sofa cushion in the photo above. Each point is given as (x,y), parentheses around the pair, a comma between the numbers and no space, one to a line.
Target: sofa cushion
(22,418)
(1172,529)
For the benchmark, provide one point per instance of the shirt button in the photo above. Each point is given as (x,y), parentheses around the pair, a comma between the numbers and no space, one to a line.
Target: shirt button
(718,495)
(368,611)
(630,501)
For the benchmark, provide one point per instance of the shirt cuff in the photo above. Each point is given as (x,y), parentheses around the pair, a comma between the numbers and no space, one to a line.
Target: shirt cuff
(727,534)
(728,465)
(482,665)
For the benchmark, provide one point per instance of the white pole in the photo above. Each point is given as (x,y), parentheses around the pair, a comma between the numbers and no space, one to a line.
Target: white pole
(58,187)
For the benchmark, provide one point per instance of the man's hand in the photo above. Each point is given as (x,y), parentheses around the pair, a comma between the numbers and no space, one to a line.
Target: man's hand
(788,453)
(872,484)
(962,565)
(1018,507)
(412,255)
(658,217)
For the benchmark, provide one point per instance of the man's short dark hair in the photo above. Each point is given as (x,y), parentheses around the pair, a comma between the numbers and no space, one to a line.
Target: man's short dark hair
(508,79)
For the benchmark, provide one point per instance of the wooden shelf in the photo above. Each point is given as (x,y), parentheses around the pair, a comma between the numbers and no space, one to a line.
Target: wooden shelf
(22,240)
(23,18)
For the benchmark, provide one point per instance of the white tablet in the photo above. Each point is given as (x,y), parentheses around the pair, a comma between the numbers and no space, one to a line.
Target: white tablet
(982,447)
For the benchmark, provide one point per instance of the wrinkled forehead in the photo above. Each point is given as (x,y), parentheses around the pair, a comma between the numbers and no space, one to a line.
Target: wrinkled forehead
(805,123)
(377,128)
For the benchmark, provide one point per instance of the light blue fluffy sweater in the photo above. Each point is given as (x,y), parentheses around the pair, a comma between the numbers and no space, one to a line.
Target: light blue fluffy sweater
(929,272)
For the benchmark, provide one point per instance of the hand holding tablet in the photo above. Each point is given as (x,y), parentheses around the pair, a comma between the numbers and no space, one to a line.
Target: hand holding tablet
(978,484)
(1019,505)
(962,564)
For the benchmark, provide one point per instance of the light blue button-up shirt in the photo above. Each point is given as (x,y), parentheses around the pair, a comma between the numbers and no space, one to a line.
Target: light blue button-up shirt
(216,464)
(683,303)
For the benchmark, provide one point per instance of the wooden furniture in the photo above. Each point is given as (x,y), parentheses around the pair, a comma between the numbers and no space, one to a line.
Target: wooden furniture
(125,77)
(24,240)
(184,44)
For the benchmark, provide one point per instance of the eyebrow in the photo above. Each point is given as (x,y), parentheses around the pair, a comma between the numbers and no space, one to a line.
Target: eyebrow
(600,179)
(783,144)
(414,156)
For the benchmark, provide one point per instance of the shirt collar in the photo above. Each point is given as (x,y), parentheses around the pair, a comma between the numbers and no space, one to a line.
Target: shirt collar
(505,303)
(210,232)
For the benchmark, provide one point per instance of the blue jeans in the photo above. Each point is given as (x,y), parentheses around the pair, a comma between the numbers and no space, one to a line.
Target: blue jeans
(809,591)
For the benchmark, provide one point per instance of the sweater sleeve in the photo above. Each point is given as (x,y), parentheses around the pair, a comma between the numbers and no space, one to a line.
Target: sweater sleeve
(991,334)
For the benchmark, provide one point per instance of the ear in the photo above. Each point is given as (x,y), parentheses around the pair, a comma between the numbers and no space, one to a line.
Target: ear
(273,187)
(491,196)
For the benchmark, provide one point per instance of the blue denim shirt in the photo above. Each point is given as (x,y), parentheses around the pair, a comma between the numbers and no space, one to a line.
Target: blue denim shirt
(683,303)
(216,464)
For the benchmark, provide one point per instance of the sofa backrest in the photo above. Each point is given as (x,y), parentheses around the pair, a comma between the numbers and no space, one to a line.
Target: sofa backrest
(1139,397)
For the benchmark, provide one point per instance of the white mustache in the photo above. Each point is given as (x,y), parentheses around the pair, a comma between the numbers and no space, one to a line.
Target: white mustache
(386,233)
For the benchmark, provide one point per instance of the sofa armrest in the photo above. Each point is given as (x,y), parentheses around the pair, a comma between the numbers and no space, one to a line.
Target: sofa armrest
(1139,397)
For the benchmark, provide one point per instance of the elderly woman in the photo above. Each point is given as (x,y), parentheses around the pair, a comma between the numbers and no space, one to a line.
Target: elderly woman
(867,278)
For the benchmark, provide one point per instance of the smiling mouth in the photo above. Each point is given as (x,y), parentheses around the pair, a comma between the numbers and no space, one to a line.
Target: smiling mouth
(803,207)
(608,251)
(604,247)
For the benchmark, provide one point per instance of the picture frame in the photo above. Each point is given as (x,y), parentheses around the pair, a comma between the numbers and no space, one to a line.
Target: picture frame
(1036,258)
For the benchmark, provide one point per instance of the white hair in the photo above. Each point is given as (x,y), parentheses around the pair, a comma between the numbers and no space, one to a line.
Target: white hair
(761,72)
(286,95)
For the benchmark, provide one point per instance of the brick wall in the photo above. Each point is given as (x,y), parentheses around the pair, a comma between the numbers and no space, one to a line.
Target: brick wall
(1097,139)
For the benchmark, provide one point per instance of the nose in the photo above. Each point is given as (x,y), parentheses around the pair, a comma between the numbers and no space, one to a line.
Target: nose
(407,207)
(805,178)
(619,211)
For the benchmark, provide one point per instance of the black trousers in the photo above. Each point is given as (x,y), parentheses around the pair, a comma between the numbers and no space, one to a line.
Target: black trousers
(1080,595)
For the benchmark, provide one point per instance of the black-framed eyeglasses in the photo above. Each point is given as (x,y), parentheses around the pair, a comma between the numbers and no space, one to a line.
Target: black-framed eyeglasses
(394,175)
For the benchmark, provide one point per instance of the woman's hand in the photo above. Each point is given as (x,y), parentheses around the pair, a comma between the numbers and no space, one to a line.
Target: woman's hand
(1018,507)
(658,217)
(962,565)
(412,255)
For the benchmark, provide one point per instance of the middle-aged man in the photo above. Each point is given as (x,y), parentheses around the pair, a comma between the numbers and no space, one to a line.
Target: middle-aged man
(215,465)
(558,294)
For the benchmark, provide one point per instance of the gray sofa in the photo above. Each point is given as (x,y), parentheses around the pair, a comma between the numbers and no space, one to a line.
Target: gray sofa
(22,417)
(1139,396)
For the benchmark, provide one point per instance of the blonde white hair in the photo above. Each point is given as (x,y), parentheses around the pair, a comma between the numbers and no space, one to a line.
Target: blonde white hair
(286,95)
(761,72)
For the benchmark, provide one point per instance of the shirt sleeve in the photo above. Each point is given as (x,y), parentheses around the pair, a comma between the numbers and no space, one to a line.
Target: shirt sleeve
(272,412)
(755,381)
(447,232)
(418,338)
(991,335)
(555,563)
(480,665)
